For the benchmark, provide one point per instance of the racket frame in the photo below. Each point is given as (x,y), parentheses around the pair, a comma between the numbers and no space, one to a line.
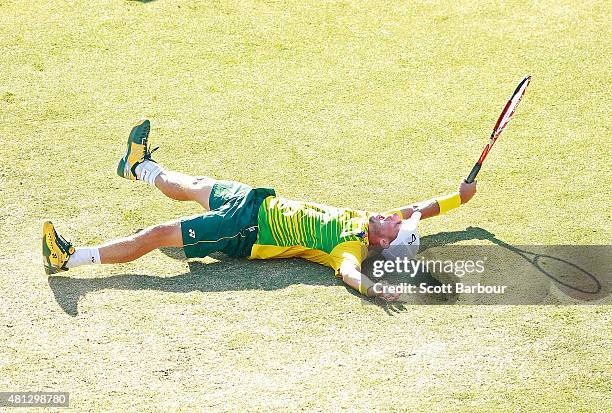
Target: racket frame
(499,126)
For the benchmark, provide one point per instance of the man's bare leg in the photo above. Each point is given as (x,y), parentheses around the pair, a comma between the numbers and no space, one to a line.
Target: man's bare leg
(59,255)
(183,187)
(137,164)
(174,185)
(135,246)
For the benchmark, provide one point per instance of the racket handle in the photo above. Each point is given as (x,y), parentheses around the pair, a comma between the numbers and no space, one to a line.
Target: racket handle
(473,174)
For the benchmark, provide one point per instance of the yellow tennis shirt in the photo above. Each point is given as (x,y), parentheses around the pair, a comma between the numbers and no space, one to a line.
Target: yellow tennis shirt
(319,233)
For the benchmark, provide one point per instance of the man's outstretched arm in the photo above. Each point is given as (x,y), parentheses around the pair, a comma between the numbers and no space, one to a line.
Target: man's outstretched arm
(436,206)
(352,276)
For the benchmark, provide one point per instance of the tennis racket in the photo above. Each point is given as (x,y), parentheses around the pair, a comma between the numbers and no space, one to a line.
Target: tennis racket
(502,121)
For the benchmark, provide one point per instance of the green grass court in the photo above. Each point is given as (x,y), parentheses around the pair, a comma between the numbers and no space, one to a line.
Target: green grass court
(364,104)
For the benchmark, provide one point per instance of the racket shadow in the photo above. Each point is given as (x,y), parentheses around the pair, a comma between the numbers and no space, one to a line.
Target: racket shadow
(237,274)
(569,276)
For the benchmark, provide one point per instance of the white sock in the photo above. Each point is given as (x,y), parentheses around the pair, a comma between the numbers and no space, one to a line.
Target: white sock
(84,256)
(147,171)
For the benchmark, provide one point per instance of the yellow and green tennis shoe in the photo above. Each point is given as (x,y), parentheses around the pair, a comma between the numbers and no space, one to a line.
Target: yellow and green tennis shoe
(137,150)
(56,250)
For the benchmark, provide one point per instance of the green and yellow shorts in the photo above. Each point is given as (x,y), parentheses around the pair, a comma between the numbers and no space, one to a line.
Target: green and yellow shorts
(231,224)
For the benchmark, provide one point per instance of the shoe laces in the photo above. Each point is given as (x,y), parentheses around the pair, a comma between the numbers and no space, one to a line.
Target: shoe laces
(148,151)
(63,243)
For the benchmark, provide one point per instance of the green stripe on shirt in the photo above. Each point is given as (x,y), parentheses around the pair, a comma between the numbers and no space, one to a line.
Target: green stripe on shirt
(286,223)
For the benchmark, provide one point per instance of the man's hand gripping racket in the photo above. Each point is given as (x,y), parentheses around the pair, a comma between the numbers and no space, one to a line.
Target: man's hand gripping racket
(502,121)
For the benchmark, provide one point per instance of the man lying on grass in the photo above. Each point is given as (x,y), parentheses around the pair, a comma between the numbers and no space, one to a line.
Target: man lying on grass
(253,222)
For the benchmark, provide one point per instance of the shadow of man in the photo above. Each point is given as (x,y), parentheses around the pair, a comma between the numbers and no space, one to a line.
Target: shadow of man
(230,274)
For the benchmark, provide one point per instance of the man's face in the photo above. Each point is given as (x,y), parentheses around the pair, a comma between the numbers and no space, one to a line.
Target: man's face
(383,229)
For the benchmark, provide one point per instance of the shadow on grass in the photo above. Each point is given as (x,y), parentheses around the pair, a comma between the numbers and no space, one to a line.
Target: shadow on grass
(583,285)
(229,274)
